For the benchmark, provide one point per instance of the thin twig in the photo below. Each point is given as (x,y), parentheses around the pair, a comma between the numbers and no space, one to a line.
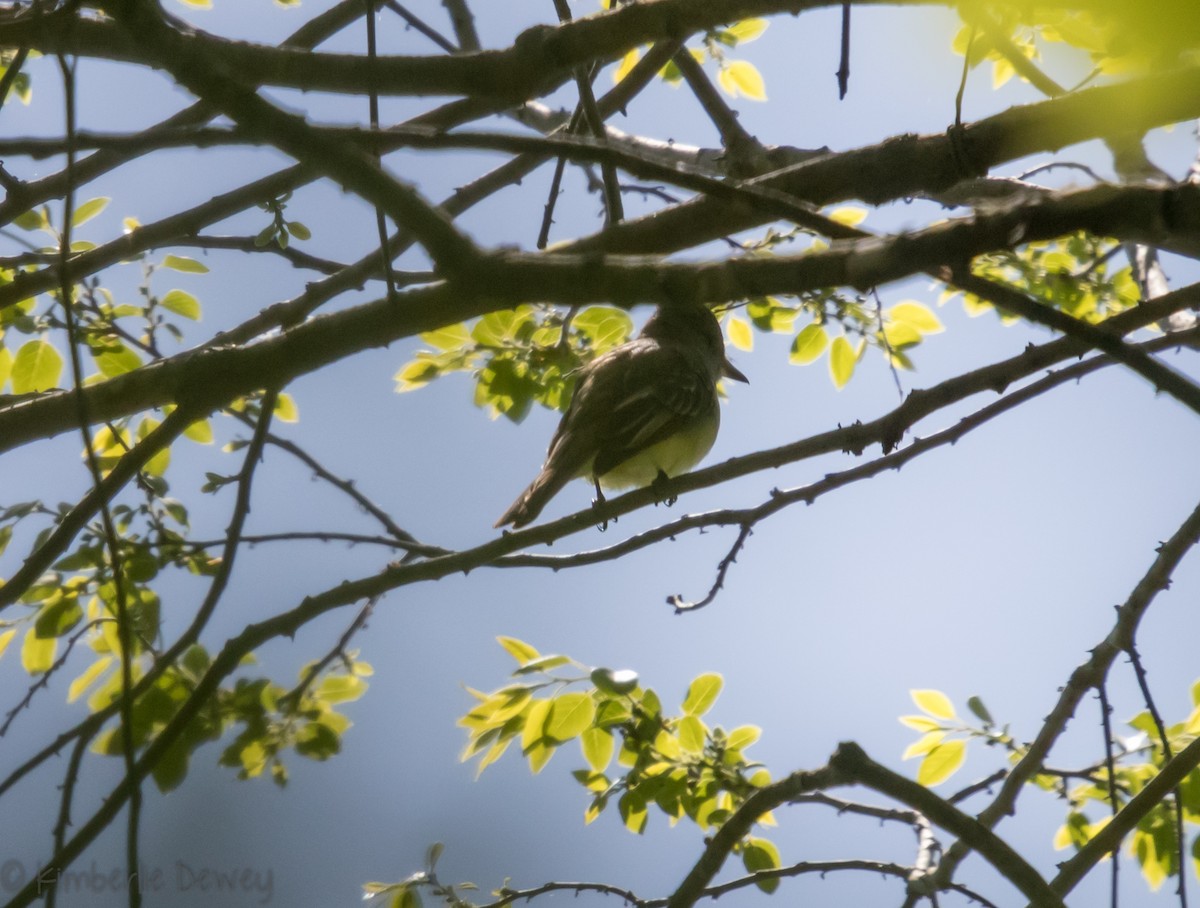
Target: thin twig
(1111,773)
(112,540)
(843,70)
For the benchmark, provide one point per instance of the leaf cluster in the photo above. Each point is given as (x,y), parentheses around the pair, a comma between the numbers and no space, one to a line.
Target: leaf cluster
(636,754)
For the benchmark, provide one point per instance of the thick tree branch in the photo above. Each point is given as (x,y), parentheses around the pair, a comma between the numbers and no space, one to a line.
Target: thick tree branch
(916,165)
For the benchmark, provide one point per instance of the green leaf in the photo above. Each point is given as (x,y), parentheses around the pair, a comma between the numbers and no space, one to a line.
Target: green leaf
(942,762)
(597,745)
(518,649)
(299,230)
(171,769)
(37,653)
(569,716)
(89,210)
(702,694)
(809,344)
(58,617)
(933,702)
(34,219)
(37,367)
(975,705)
(761,854)
(181,303)
(185,264)
(619,682)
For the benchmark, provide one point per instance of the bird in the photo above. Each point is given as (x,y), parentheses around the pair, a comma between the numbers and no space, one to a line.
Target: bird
(642,411)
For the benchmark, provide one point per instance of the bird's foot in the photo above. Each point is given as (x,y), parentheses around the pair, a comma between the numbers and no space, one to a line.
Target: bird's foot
(658,487)
(596,503)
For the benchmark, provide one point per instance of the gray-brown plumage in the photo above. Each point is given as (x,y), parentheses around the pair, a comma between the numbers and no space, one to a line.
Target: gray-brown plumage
(646,408)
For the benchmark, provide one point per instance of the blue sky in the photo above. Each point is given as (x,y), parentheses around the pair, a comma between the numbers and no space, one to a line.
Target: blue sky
(987,568)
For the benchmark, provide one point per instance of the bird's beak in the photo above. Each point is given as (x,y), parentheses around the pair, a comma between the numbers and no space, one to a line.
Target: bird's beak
(729,370)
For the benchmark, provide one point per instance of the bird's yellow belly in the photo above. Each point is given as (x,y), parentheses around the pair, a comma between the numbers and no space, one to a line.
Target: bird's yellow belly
(673,456)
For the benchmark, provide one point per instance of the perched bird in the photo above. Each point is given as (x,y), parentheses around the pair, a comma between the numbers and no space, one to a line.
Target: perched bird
(645,409)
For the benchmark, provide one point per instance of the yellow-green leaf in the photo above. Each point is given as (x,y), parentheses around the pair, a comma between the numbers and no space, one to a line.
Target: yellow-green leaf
(37,367)
(747,30)
(286,409)
(739,333)
(597,745)
(569,716)
(89,210)
(933,702)
(942,762)
(89,676)
(692,734)
(702,694)
(37,653)
(116,359)
(1002,71)
(539,755)
(842,360)
(200,432)
(743,78)
(449,337)
(535,723)
(742,737)
(809,344)
(156,465)
(6,365)
(627,63)
(920,316)
(518,649)
(850,215)
(181,303)
(6,638)
(919,723)
(185,264)
(923,745)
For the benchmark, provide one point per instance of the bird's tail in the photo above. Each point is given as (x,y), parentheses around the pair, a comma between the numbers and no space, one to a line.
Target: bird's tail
(530,502)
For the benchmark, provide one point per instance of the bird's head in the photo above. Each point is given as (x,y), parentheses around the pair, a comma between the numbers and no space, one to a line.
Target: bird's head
(695,325)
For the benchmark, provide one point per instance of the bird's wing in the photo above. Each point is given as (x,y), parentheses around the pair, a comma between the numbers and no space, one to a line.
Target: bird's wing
(662,393)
